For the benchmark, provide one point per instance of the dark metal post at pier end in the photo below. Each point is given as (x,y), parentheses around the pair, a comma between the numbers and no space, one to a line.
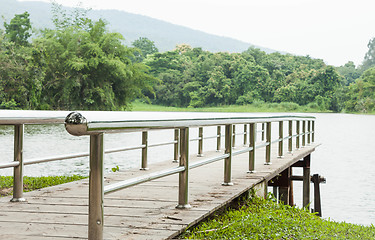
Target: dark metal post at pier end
(183,186)
(96,187)
(18,170)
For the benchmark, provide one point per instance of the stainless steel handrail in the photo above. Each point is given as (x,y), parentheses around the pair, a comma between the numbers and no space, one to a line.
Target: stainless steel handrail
(95,125)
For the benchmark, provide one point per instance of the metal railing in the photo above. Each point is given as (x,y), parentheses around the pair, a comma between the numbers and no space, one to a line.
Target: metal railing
(96,124)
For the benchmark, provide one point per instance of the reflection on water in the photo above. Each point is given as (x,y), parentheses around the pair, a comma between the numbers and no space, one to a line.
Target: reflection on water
(345,158)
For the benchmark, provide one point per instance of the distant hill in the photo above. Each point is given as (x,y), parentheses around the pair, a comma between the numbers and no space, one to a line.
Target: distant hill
(132,26)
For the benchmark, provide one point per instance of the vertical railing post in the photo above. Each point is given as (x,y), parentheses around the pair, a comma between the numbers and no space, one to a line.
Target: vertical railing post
(290,141)
(200,142)
(313,131)
(268,141)
(298,131)
(281,139)
(244,134)
(96,193)
(176,145)
(252,145)
(218,142)
(234,136)
(309,132)
(303,133)
(18,171)
(306,182)
(183,183)
(229,129)
(144,150)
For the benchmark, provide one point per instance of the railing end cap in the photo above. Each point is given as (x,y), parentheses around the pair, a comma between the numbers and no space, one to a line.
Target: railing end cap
(76,124)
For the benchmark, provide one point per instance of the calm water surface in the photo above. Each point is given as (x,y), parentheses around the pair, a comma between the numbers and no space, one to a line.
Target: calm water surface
(346,158)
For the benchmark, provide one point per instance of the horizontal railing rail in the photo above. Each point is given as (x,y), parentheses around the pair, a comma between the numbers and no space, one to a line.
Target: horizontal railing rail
(301,129)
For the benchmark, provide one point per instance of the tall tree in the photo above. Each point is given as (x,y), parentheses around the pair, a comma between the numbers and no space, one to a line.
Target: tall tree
(87,67)
(369,60)
(18,29)
(144,47)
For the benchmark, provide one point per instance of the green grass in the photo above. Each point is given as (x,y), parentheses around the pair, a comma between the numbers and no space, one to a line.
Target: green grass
(265,219)
(255,107)
(33,183)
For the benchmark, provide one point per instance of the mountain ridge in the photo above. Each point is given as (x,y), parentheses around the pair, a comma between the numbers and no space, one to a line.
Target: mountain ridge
(132,26)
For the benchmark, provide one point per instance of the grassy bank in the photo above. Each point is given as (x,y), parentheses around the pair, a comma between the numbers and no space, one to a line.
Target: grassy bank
(265,219)
(255,107)
(33,183)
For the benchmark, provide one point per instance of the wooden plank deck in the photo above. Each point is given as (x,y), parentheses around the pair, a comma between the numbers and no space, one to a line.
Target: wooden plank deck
(146,211)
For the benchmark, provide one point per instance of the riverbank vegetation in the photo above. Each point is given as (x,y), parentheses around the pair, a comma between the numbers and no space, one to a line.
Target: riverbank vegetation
(80,64)
(33,183)
(261,218)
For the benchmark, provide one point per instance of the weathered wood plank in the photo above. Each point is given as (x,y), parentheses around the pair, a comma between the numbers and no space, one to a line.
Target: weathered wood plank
(146,211)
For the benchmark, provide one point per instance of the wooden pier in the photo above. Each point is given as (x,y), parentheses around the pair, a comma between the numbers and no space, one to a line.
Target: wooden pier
(145,211)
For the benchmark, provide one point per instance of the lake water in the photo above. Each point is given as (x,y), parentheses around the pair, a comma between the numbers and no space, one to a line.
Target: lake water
(346,158)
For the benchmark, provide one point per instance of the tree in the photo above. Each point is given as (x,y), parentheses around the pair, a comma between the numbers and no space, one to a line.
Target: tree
(145,47)
(362,93)
(349,72)
(87,67)
(20,76)
(369,60)
(18,30)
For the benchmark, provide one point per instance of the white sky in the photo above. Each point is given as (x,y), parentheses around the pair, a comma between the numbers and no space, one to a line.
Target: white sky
(336,31)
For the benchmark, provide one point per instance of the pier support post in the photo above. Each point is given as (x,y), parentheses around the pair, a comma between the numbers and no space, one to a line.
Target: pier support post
(176,145)
(96,192)
(144,150)
(283,183)
(228,150)
(306,181)
(200,142)
(18,171)
(183,181)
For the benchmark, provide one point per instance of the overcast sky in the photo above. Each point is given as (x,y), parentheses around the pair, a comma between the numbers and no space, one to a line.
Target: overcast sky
(336,31)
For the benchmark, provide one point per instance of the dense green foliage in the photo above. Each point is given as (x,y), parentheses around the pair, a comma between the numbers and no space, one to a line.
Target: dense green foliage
(79,64)
(33,183)
(265,219)
(76,65)
(196,78)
